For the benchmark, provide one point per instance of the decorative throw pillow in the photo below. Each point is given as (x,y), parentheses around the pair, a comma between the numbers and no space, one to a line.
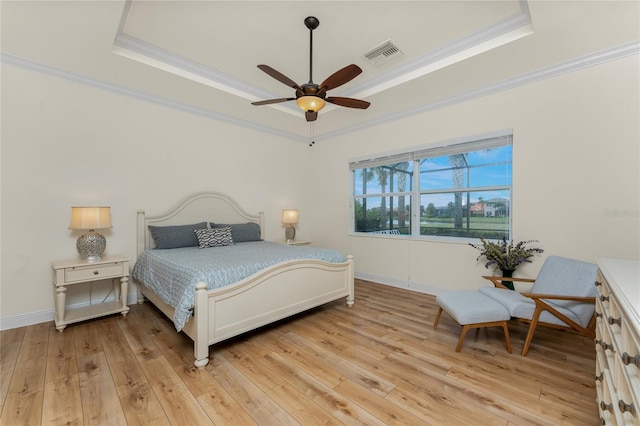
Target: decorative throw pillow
(216,237)
(242,232)
(168,237)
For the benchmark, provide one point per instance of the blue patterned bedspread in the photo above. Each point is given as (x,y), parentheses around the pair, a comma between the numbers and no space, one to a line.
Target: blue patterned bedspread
(173,274)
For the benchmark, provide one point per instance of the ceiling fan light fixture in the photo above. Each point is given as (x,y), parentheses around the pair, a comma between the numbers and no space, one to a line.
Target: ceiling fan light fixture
(310,103)
(312,97)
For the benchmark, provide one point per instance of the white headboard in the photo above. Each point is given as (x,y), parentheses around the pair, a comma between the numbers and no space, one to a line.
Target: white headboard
(199,207)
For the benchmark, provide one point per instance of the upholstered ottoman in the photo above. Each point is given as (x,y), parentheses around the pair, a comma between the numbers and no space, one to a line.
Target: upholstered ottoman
(471,309)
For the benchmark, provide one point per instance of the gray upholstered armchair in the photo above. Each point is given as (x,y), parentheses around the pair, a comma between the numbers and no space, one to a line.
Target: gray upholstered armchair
(562,296)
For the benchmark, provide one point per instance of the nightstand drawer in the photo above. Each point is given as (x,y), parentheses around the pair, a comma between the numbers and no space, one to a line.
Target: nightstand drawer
(97,272)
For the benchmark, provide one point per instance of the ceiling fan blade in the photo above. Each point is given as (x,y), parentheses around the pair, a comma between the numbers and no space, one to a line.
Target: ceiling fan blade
(340,77)
(348,102)
(311,116)
(272,101)
(280,77)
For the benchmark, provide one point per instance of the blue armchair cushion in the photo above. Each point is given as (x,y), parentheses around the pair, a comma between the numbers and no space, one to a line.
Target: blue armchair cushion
(558,276)
(520,306)
(569,277)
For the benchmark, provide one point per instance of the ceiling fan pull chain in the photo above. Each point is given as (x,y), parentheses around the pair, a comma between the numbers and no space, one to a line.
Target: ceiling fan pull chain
(312,133)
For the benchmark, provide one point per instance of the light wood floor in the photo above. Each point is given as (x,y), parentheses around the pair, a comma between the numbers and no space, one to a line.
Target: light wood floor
(379,362)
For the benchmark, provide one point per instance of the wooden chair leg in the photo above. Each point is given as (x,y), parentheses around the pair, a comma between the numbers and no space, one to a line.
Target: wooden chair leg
(463,333)
(532,329)
(435,324)
(506,336)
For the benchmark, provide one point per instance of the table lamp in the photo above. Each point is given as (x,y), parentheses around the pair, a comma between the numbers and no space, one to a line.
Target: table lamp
(91,244)
(290,217)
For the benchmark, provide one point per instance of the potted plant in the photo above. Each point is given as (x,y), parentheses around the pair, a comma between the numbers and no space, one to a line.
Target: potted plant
(506,256)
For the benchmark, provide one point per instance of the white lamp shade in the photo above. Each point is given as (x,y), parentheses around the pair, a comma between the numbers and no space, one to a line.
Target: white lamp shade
(90,218)
(289,216)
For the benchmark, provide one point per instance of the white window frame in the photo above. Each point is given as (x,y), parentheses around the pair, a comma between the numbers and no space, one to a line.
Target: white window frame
(458,146)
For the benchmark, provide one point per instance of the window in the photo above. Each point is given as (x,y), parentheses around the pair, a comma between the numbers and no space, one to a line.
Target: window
(461,190)
(383,198)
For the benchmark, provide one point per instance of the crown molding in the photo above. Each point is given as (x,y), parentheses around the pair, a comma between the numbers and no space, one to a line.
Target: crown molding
(498,34)
(614,53)
(29,65)
(147,53)
(150,54)
(617,52)
(503,32)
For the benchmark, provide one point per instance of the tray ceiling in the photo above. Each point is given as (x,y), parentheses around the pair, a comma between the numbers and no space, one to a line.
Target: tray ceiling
(201,56)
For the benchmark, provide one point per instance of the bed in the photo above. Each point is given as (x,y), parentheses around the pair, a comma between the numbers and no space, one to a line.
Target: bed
(270,294)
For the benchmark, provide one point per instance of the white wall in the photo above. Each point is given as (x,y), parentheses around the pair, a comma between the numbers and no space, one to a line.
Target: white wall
(576,160)
(65,144)
(576,178)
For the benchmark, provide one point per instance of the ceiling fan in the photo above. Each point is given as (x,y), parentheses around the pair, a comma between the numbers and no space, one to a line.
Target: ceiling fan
(311,97)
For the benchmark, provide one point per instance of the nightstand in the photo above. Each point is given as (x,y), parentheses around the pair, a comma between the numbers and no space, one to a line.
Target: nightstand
(72,272)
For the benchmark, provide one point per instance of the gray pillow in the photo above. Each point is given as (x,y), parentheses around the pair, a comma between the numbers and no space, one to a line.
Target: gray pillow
(242,232)
(168,237)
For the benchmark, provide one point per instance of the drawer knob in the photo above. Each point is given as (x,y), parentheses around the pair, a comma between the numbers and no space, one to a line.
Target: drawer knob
(598,315)
(604,344)
(602,422)
(598,283)
(611,320)
(96,272)
(606,407)
(599,377)
(624,407)
(628,359)
(604,298)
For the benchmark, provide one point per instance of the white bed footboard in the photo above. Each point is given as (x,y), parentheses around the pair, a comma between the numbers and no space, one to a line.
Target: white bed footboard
(269,295)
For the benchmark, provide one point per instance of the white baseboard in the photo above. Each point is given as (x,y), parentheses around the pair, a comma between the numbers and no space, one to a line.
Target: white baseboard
(407,285)
(48,315)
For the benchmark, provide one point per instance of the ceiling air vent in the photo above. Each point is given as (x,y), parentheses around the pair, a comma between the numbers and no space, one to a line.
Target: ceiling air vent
(384,53)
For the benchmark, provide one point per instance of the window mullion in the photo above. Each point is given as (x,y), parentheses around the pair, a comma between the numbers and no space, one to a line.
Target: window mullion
(415,200)
(384,194)
(465,189)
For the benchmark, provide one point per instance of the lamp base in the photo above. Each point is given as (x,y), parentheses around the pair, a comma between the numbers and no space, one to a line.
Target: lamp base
(91,245)
(290,233)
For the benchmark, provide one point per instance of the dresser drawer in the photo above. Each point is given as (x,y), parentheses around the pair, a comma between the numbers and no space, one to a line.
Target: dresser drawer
(626,399)
(602,286)
(630,362)
(602,365)
(97,272)
(615,323)
(601,318)
(605,341)
(607,406)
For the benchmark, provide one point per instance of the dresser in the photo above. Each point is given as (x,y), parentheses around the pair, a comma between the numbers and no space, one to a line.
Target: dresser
(618,341)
